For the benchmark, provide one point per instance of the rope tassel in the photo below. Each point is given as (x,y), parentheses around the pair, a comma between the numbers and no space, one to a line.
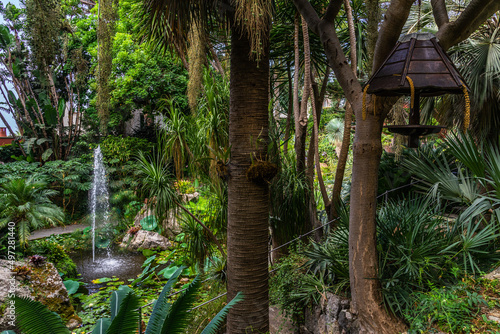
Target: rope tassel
(467,108)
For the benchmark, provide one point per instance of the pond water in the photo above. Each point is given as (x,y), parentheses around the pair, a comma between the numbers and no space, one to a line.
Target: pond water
(108,263)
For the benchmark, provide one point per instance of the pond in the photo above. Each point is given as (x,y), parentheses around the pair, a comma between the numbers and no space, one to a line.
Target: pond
(108,263)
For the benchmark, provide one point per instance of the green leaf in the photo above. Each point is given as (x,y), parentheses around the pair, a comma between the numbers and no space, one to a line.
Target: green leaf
(149,223)
(168,272)
(127,319)
(71,286)
(162,306)
(49,114)
(5,37)
(116,299)
(35,318)
(178,315)
(101,326)
(12,98)
(41,141)
(60,107)
(46,154)
(16,69)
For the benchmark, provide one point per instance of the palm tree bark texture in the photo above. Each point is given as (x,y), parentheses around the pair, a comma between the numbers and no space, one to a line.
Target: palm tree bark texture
(248,202)
(365,290)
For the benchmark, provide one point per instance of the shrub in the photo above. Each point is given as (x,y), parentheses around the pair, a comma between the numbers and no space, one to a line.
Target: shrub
(56,254)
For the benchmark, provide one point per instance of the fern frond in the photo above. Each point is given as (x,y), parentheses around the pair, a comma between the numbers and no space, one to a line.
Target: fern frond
(35,318)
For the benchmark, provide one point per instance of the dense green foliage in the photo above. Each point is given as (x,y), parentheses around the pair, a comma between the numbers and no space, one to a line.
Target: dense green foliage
(26,203)
(55,253)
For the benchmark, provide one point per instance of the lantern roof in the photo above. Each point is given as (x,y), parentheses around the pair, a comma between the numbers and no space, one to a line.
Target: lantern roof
(419,60)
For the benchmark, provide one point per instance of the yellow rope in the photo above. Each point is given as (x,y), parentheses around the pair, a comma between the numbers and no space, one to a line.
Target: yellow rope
(412,90)
(364,102)
(467,107)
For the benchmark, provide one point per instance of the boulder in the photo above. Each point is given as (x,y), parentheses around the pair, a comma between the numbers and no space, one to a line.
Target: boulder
(170,225)
(143,239)
(41,283)
(332,316)
(280,323)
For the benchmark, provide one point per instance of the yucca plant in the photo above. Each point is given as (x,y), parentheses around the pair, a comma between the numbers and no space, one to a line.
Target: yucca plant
(34,317)
(26,202)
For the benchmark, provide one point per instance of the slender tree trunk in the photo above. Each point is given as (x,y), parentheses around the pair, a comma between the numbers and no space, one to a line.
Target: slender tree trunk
(248,202)
(290,108)
(301,121)
(346,139)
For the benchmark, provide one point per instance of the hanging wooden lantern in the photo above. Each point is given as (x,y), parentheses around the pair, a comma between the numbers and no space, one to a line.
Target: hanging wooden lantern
(417,66)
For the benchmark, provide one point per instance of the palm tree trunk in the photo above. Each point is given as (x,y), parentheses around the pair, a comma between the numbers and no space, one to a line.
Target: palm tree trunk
(248,202)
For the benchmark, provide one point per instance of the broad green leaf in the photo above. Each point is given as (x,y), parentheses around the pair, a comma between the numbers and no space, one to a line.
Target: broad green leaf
(71,286)
(149,223)
(61,106)
(168,272)
(101,326)
(46,154)
(49,114)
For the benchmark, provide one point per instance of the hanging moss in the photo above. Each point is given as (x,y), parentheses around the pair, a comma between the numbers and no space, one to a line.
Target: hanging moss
(105,32)
(44,21)
(196,57)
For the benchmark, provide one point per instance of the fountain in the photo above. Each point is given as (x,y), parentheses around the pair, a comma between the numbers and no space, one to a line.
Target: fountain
(99,197)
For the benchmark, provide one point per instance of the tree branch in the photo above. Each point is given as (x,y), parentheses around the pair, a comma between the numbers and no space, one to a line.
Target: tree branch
(332,10)
(394,20)
(476,13)
(440,12)
(309,14)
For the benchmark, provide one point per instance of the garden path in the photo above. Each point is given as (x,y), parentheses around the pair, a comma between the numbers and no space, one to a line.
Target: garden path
(47,232)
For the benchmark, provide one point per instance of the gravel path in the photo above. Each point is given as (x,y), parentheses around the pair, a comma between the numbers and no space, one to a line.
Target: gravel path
(56,230)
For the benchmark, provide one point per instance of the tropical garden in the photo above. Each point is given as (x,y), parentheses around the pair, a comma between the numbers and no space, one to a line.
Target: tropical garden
(242,133)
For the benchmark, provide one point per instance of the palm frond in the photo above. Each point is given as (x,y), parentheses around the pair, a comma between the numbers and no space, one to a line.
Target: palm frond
(35,318)
(101,326)
(162,306)
(126,320)
(178,315)
(214,325)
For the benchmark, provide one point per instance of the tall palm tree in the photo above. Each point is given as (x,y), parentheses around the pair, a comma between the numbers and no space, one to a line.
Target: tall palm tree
(248,204)
(26,203)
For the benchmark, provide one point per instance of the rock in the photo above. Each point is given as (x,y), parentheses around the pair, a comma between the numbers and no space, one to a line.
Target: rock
(170,226)
(279,323)
(42,284)
(145,240)
(332,316)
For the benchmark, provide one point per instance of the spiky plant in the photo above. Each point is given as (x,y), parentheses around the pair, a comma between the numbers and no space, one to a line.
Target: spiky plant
(26,202)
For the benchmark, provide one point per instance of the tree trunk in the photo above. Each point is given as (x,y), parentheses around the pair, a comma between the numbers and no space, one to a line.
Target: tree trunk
(248,202)
(363,269)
